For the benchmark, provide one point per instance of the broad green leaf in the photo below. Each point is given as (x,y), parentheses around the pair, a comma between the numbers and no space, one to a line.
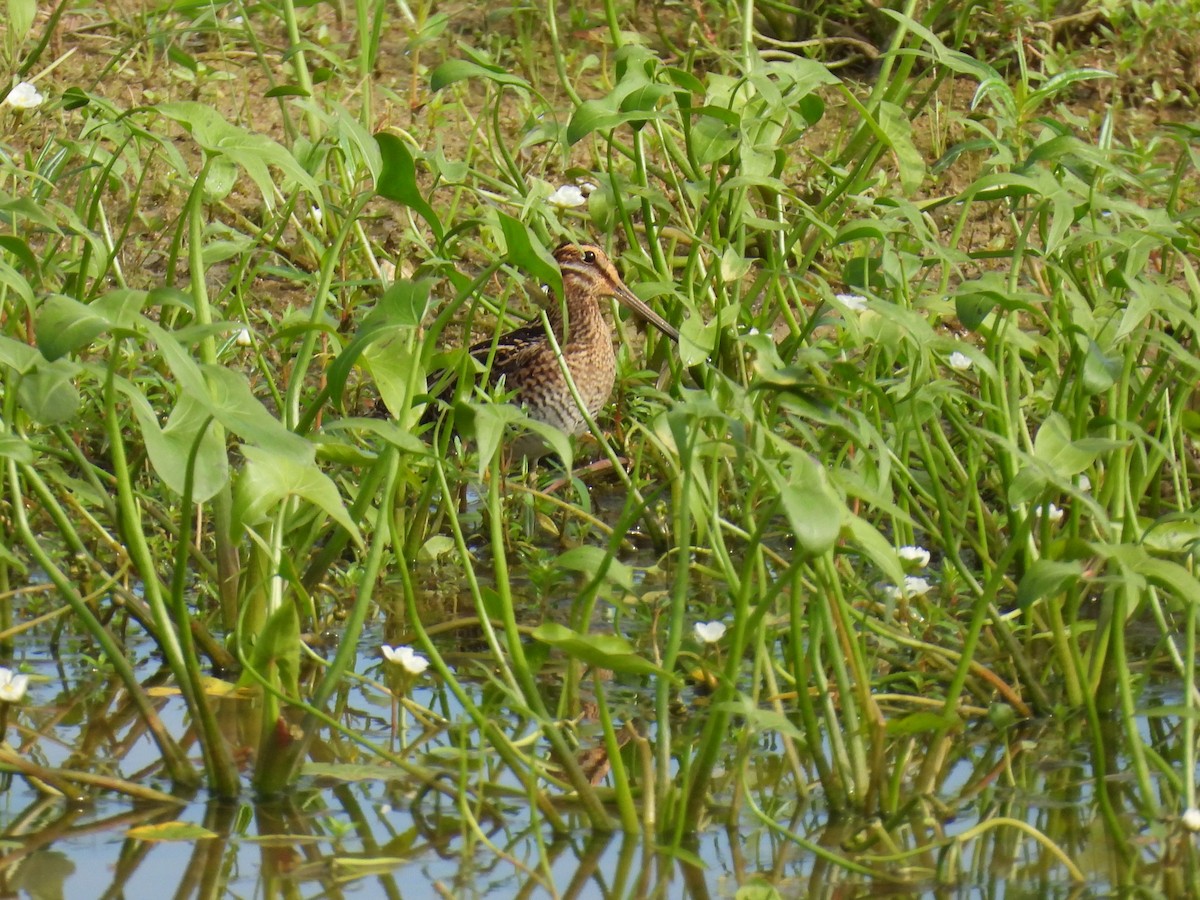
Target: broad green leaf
(590,561)
(170,448)
(277,648)
(759,719)
(48,393)
(21,14)
(20,287)
(592,115)
(228,397)
(1063,455)
(897,127)
(459,69)
(1047,578)
(252,151)
(16,449)
(558,441)
(65,325)
(877,548)
(489,420)
(398,180)
(602,651)
(270,477)
(18,248)
(400,309)
(814,512)
(18,356)
(526,252)
(1100,371)
(715,134)
(1171,576)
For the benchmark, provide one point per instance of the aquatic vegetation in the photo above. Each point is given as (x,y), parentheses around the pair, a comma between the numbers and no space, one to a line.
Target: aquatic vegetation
(902,529)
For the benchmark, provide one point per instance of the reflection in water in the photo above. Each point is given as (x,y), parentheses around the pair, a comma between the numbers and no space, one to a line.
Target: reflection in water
(468,831)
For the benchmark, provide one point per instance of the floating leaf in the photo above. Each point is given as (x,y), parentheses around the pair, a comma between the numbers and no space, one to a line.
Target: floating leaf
(170,831)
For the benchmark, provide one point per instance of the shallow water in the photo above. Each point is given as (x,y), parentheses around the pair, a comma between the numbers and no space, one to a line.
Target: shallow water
(378,837)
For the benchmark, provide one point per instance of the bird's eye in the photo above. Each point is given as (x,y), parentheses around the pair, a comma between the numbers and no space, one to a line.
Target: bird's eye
(589,256)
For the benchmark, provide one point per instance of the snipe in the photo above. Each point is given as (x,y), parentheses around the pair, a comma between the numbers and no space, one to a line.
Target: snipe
(525,358)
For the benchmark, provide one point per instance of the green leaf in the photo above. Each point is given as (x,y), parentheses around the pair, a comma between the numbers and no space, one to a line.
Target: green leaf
(269,478)
(227,395)
(592,115)
(48,393)
(398,180)
(526,252)
(170,448)
(21,14)
(1100,372)
(67,326)
(591,561)
(277,648)
(602,651)
(16,449)
(759,719)
(170,831)
(460,69)
(898,128)
(488,423)
(715,134)
(399,310)
(813,510)
(287,90)
(21,251)
(254,152)
(1064,456)
(877,548)
(922,723)
(1047,578)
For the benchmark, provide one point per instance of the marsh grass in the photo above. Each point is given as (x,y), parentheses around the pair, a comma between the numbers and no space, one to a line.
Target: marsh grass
(907,318)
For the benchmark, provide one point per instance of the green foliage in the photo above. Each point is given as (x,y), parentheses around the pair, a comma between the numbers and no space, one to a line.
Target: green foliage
(950,309)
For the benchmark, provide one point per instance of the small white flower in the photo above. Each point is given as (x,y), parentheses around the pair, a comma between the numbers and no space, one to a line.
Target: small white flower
(12,686)
(918,555)
(1051,512)
(913,587)
(243,338)
(854,302)
(710,632)
(566,197)
(316,214)
(959,361)
(24,96)
(406,657)
(1085,483)
(1191,819)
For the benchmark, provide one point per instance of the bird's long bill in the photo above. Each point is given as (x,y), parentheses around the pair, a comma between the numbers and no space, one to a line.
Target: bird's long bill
(631,300)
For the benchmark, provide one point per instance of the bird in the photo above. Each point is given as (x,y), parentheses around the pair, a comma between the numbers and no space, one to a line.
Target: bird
(525,359)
